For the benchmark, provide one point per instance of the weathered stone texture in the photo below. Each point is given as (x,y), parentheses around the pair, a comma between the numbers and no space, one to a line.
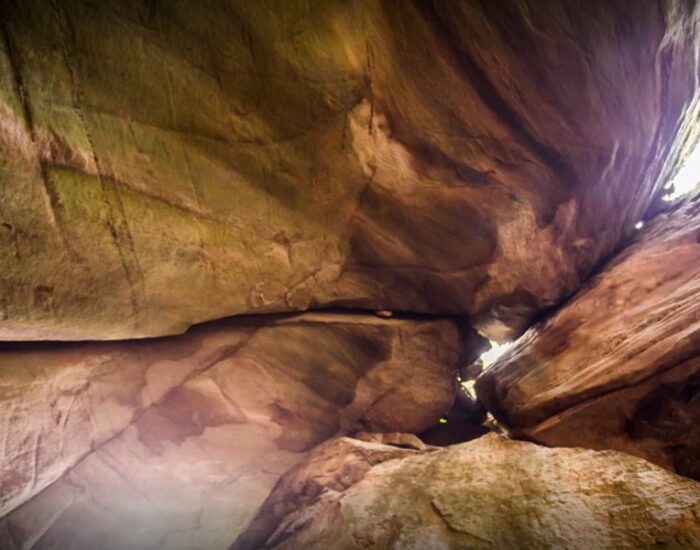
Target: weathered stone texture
(168,163)
(488,493)
(618,366)
(177,441)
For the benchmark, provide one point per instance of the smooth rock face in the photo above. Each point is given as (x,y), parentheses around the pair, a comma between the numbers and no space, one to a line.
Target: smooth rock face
(619,365)
(168,163)
(488,493)
(175,442)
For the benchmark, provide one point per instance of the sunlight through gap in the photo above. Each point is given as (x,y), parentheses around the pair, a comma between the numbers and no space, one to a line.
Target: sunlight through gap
(687,178)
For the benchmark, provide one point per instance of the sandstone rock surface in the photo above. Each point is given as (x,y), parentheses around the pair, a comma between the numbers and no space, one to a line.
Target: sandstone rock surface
(447,165)
(488,493)
(618,366)
(168,163)
(175,442)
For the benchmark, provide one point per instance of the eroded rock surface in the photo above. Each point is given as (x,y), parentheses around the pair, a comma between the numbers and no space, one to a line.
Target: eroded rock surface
(489,493)
(175,442)
(168,163)
(619,365)
(333,466)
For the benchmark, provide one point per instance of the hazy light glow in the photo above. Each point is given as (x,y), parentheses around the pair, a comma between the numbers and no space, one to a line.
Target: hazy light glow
(639,225)
(688,177)
(469,388)
(489,358)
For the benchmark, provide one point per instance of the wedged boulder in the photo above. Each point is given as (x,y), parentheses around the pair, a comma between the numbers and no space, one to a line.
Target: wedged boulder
(488,493)
(176,441)
(165,164)
(618,366)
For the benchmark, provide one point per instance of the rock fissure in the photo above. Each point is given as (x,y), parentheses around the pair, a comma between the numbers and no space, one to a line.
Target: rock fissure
(251,256)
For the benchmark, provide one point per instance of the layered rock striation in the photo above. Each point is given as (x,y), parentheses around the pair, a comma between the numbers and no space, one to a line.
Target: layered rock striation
(618,366)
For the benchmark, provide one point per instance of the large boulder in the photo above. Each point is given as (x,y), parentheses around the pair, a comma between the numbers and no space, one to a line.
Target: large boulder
(489,493)
(618,366)
(167,163)
(176,441)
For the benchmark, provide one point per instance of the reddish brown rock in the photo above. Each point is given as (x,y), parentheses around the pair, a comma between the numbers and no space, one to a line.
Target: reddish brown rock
(176,441)
(164,164)
(618,366)
(658,419)
(488,493)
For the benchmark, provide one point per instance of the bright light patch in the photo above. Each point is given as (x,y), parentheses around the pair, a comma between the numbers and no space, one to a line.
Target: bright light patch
(469,388)
(687,178)
(639,225)
(489,358)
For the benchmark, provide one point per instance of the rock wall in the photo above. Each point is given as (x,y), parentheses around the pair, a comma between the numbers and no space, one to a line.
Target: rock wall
(175,442)
(619,365)
(488,493)
(169,163)
(453,164)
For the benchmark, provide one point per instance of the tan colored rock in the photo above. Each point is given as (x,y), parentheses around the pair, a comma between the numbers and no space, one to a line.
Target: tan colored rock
(488,493)
(176,441)
(335,465)
(167,164)
(618,366)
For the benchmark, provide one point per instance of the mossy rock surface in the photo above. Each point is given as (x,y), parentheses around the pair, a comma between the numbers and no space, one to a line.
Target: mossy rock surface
(167,163)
